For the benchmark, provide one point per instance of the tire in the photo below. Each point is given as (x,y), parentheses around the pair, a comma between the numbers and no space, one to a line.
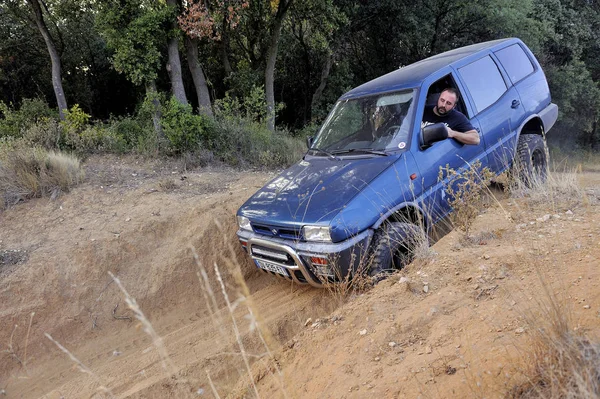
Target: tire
(394,245)
(531,159)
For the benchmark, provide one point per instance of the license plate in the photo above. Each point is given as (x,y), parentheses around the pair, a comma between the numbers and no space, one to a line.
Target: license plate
(272,267)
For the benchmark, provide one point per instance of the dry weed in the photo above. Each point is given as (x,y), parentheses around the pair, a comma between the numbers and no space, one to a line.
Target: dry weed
(34,172)
(555,189)
(562,362)
(464,190)
(167,185)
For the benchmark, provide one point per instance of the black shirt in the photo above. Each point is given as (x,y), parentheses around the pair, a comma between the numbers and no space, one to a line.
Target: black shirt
(454,119)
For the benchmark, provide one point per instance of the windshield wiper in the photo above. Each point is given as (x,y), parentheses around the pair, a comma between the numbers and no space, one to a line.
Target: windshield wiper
(361,150)
(320,151)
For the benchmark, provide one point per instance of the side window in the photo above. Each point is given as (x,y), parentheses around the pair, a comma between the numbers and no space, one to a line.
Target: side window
(484,82)
(515,61)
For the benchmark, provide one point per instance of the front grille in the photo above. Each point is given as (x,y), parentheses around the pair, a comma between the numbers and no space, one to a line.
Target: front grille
(273,255)
(275,231)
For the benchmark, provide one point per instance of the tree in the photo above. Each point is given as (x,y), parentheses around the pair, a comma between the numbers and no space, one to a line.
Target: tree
(274,34)
(54,56)
(174,64)
(135,30)
(210,21)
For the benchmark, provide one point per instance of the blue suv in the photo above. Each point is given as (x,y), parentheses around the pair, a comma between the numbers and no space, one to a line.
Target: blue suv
(369,183)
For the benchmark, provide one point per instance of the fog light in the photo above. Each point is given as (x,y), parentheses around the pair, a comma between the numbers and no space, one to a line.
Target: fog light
(321,267)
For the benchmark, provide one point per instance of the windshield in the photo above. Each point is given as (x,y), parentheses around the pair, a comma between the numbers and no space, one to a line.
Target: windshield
(373,123)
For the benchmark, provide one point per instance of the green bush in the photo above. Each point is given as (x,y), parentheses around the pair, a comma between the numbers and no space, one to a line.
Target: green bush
(75,118)
(128,128)
(46,133)
(183,129)
(94,139)
(242,142)
(15,121)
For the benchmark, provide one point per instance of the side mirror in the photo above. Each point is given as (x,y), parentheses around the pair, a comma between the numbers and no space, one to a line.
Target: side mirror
(432,134)
(309,141)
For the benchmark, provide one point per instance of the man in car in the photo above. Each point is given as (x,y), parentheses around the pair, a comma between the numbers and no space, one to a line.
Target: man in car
(457,124)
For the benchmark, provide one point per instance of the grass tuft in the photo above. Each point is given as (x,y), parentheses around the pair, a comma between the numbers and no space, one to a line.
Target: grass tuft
(33,172)
(556,188)
(563,362)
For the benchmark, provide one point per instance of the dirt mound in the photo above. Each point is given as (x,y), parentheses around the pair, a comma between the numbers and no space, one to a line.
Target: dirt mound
(448,326)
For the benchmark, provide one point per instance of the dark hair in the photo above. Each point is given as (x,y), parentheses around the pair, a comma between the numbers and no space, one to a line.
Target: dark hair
(453,91)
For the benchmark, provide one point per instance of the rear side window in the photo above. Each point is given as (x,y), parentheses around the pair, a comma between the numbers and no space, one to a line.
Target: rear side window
(484,82)
(515,61)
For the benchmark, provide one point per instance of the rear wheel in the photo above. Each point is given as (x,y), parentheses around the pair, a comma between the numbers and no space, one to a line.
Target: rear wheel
(394,247)
(531,159)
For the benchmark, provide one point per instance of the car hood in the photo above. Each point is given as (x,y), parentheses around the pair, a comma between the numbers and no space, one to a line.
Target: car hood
(313,191)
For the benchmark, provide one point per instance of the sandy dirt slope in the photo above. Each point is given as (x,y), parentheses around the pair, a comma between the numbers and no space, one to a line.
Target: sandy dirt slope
(137,220)
(452,324)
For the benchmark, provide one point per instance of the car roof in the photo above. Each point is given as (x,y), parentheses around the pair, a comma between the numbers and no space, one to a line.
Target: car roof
(412,75)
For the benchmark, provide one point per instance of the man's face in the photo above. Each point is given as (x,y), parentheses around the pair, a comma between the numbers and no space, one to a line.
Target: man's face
(446,102)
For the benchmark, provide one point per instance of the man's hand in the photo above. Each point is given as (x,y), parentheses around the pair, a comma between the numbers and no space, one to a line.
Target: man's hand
(469,137)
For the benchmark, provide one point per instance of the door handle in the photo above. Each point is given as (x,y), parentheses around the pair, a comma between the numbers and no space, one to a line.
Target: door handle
(515,103)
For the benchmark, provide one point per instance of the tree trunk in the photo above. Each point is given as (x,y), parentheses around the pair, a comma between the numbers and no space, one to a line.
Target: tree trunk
(174,64)
(54,58)
(271,58)
(223,52)
(156,115)
(204,105)
(324,76)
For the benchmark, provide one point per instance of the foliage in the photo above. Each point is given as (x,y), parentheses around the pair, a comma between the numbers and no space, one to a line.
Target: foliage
(75,118)
(209,20)
(326,47)
(33,172)
(129,129)
(251,107)
(242,142)
(16,121)
(135,30)
(183,129)
(46,134)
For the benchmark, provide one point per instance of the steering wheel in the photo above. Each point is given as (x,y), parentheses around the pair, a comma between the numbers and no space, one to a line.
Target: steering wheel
(390,130)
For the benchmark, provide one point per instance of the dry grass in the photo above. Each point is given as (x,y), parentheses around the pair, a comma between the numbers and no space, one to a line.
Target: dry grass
(560,186)
(464,190)
(562,362)
(34,172)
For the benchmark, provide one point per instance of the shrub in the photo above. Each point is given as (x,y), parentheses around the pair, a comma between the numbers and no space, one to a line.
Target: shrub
(241,142)
(46,133)
(93,139)
(183,129)
(252,107)
(14,122)
(75,118)
(128,128)
(34,172)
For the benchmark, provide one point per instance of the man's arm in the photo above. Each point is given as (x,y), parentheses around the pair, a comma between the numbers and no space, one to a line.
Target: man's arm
(468,137)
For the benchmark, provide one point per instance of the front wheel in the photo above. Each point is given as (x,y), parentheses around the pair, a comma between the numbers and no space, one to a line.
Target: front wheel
(531,159)
(394,247)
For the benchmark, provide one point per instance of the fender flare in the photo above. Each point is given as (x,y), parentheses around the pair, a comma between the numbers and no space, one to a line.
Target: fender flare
(403,205)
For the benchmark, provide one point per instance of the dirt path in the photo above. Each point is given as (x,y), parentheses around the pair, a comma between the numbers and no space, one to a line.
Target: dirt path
(454,326)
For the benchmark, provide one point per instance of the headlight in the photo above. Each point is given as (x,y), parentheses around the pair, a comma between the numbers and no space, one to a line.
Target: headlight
(244,223)
(317,233)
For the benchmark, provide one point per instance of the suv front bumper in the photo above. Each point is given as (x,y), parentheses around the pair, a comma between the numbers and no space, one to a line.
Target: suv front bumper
(311,263)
